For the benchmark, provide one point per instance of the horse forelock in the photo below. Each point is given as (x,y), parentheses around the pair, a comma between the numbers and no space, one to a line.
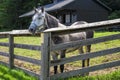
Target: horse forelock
(51,21)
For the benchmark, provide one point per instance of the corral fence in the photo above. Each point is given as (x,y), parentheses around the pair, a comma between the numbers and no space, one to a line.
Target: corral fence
(46,47)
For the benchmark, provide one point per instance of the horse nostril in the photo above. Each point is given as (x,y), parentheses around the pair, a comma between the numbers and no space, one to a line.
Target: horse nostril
(31,30)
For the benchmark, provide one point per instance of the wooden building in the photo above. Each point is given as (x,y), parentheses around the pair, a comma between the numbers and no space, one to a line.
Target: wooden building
(69,11)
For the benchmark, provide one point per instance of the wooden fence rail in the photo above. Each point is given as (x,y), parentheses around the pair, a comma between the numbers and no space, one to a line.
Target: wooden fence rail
(26,59)
(22,46)
(63,46)
(85,70)
(86,56)
(84,27)
(47,47)
(11,45)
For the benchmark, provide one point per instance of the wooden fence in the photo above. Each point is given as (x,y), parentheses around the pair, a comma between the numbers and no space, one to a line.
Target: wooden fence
(47,47)
(11,35)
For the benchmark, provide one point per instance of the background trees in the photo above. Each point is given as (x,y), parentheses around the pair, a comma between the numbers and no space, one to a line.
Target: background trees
(11,9)
(115,5)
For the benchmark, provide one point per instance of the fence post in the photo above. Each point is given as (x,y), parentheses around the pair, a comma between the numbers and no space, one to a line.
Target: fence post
(45,56)
(11,51)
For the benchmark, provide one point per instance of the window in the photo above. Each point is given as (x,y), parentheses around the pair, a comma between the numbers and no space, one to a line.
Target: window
(67,19)
(74,18)
(60,18)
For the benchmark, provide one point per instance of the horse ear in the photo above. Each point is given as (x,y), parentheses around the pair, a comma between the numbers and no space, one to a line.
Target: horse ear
(42,9)
(36,10)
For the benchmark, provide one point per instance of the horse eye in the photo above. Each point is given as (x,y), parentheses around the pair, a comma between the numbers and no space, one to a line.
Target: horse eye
(39,18)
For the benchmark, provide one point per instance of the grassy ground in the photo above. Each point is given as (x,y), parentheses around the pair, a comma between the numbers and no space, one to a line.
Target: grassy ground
(6,74)
(69,66)
(111,76)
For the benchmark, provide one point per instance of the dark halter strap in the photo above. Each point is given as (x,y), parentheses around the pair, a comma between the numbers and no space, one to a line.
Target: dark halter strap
(46,23)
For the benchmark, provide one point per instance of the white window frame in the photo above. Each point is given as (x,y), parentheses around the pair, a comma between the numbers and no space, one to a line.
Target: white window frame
(74,18)
(67,18)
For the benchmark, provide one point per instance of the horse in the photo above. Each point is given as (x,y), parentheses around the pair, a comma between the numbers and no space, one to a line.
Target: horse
(41,21)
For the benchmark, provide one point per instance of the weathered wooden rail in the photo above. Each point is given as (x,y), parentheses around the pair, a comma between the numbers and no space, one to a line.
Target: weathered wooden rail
(12,45)
(47,47)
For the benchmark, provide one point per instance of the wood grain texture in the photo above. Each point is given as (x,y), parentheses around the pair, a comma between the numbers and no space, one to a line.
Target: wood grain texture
(86,56)
(79,43)
(25,46)
(28,72)
(45,57)
(4,54)
(33,61)
(4,44)
(85,70)
(11,51)
(84,27)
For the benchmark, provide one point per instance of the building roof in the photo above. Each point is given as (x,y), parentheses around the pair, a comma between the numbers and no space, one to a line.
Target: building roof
(57,5)
(51,7)
(61,4)
(102,4)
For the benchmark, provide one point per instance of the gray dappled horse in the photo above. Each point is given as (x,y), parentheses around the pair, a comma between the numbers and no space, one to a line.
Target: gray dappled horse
(42,21)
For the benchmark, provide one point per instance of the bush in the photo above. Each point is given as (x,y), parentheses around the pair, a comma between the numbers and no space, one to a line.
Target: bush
(115,14)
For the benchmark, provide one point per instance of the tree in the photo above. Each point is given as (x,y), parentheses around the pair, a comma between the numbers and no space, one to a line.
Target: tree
(115,5)
(9,13)
(11,9)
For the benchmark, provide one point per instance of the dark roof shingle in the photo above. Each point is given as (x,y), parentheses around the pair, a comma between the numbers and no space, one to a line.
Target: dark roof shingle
(61,4)
(50,7)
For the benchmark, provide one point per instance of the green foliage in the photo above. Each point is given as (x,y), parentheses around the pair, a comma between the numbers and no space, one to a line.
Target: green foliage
(44,2)
(112,76)
(115,14)
(36,41)
(6,74)
(10,10)
(8,13)
(115,6)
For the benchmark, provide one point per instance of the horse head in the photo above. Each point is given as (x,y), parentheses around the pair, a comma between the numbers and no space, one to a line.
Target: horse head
(38,20)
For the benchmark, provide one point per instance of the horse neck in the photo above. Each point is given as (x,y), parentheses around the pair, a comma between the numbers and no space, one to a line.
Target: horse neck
(53,22)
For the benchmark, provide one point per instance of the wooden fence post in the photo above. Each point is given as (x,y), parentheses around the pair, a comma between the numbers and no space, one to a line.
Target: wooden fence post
(45,57)
(11,51)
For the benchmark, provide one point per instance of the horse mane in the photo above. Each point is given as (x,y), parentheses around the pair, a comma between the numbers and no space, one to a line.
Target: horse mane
(78,23)
(51,21)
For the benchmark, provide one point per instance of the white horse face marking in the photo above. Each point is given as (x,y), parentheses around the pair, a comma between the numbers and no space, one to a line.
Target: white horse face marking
(37,21)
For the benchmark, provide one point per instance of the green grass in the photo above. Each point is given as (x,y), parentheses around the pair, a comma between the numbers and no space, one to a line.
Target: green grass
(111,76)
(77,64)
(7,74)
(37,41)
(99,34)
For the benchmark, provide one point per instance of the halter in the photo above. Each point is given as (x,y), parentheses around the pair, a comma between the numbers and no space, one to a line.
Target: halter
(46,23)
(33,24)
(43,26)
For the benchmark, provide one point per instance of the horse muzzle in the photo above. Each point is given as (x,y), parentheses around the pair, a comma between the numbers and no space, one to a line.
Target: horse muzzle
(32,28)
